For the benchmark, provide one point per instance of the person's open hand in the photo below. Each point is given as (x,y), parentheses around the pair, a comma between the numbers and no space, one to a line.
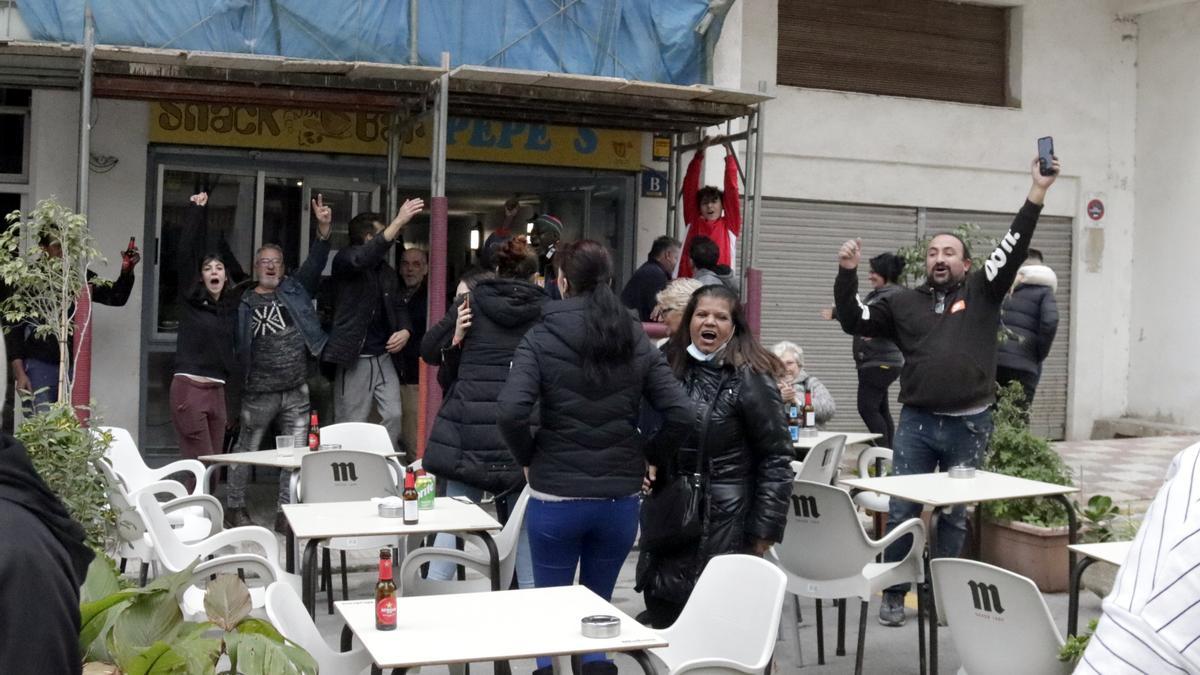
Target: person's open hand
(408,209)
(850,254)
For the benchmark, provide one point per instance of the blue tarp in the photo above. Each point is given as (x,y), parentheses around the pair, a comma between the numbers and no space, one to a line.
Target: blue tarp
(651,40)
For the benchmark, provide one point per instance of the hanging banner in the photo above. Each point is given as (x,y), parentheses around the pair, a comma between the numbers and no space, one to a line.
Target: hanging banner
(366,133)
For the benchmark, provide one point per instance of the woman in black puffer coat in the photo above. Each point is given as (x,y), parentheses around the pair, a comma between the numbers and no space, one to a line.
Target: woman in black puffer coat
(465,448)
(747,474)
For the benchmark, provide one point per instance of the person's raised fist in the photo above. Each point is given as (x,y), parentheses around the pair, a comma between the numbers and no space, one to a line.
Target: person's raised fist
(850,254)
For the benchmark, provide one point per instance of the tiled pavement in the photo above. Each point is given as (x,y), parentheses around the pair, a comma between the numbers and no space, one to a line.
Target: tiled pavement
(1130,470)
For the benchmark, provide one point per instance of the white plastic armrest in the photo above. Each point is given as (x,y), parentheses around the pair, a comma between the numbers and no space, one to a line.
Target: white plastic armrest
(230,564)
(717,664)
(252,534)
(170,487)
(479,563)
(912,526)
(212,509)
(191,466)
(868,456)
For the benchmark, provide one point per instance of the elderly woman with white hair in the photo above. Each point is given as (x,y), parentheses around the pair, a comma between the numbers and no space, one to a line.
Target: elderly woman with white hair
(672,300)
(797,382)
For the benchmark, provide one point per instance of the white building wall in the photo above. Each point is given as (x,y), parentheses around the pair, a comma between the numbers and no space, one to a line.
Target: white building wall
(1163,371)
(1076,63)
(117,212)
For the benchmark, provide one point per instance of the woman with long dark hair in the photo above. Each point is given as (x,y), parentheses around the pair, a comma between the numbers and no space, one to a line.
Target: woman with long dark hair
(465,449)
(741,434)
(204,354)
(586,366)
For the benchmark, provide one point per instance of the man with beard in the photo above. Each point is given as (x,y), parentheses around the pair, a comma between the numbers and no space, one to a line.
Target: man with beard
(947,329)
(276,325)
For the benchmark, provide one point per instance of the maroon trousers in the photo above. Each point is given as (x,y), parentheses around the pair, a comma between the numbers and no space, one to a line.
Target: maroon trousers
(198,413)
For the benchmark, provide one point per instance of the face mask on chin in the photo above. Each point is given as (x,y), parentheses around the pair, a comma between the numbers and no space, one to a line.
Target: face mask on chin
(695,352)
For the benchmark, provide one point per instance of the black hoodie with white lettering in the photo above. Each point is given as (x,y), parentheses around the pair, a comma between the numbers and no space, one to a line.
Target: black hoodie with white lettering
(948,336)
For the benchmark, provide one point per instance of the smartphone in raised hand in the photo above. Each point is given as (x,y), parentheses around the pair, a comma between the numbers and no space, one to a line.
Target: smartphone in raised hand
(1046,155)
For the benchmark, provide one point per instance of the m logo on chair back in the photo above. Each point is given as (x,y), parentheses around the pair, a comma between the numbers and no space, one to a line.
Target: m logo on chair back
(344,472)
(986,597)
(805,506)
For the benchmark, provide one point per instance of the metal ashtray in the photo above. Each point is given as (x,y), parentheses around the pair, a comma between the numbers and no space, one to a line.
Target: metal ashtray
(386,511)
(601,626)
(962,472)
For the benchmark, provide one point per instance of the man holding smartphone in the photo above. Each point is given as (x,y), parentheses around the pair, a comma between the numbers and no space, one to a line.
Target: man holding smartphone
(947,330)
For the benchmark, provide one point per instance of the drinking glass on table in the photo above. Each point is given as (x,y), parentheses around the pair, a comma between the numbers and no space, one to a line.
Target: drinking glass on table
(285,445)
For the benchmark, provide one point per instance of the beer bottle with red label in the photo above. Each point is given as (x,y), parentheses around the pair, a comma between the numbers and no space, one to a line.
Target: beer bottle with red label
(810,413)
(412,512)
(385,594)
(314,432)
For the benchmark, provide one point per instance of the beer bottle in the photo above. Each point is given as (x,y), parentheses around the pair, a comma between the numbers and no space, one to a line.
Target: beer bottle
(810,413)
(794,422)
(314,432)
(411,512)
(385,594)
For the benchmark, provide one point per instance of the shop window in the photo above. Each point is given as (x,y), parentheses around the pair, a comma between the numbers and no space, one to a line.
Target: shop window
(931,49)
(14,135)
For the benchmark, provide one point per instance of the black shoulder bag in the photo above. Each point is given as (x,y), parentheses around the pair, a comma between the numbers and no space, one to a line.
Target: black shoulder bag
(672,514)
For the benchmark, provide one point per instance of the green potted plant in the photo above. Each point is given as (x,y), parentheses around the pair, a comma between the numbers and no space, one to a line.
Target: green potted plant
(142,631)
(42,291)
(1027,536)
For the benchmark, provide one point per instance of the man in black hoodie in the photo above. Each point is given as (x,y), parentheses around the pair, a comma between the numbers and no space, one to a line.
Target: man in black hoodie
(946,329)
(43,562)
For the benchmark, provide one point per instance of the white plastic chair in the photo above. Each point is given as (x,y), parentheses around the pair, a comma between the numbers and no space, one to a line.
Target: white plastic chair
(127,460)
(346,476)
(821,463)
(286,612)
(998,620)
(476,558)
(175,555)
(363,436)
(133,541)
(731,621)
(826,554)
(872,501)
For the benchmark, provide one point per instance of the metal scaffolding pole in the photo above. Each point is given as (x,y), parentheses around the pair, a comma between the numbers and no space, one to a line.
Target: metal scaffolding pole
(431,392)
(80,389)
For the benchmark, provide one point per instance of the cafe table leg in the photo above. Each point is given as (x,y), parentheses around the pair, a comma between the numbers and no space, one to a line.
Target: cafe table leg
(308,576)
(1073,601)
(922,602)
(1072,529)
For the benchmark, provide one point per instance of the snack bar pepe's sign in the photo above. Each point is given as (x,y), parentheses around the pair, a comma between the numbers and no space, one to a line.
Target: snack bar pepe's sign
(366,133)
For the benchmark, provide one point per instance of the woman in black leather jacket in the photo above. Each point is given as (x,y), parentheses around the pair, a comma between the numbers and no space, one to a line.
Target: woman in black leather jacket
(747,449)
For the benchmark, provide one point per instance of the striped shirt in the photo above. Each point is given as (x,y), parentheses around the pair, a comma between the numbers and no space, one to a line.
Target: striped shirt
(1151,621)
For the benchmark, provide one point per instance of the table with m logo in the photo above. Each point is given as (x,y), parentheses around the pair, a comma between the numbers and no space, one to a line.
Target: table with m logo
(322,521)
(940,491)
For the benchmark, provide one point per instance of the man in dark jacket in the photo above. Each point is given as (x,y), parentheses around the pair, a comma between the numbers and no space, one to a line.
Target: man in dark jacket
(35,359)
(946,330)
(276,326)
(653,276)
(370,322)
(43,562)
(414,266)
(1028,320)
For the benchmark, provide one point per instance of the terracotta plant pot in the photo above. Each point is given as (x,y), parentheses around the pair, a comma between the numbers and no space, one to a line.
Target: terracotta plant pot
(1039,553)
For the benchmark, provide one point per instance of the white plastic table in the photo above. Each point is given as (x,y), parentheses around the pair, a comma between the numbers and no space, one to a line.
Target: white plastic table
(1112,552)
(497,626)
(940,491)
(852,438)
(323,521)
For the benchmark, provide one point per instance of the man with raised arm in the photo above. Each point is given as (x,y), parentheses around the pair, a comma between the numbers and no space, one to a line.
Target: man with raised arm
(947,330)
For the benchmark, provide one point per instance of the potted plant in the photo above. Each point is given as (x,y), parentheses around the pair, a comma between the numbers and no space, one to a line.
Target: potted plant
(142,631)
(42,289)
(1027,536)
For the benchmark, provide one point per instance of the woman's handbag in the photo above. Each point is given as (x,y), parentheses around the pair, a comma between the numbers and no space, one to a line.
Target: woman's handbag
(672,514)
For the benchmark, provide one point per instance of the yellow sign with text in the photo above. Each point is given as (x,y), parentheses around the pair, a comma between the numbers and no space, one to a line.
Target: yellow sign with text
(366,133)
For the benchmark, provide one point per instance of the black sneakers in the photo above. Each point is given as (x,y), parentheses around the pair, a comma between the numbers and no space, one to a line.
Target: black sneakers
(891,610)
(237,517)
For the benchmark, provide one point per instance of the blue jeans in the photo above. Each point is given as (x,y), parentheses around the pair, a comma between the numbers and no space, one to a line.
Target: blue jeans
(443,570)
(593,535)
(43,382)
(926,442)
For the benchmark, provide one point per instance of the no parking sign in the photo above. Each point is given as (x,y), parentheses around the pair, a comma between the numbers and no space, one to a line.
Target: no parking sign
(1094,208)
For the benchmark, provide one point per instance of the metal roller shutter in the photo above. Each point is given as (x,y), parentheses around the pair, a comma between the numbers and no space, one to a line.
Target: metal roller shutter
(797,252)
(1053,238)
